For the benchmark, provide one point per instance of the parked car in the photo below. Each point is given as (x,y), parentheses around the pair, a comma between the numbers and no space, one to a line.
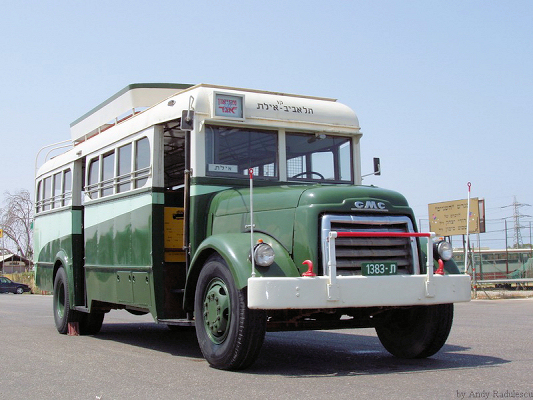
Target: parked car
(8,286)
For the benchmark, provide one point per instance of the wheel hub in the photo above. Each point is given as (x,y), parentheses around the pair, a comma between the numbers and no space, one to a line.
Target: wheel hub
(216,312)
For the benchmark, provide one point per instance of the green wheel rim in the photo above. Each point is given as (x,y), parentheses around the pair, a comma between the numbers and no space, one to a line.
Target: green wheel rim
(217,310)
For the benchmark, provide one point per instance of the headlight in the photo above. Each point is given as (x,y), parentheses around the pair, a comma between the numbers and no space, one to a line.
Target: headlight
(263,255)
(444,250)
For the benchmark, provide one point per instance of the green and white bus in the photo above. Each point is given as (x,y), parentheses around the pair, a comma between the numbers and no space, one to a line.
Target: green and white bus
(237,211)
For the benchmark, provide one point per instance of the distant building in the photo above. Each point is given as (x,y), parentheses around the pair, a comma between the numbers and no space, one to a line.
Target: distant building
(12,263)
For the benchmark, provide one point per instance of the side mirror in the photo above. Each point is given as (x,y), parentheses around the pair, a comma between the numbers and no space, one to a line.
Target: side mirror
(377,166)
(187,120)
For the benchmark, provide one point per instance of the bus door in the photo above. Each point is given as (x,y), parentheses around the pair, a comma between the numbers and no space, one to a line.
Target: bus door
(176,185)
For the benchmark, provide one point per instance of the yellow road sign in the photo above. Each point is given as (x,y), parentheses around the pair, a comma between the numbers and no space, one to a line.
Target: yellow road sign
(449,218)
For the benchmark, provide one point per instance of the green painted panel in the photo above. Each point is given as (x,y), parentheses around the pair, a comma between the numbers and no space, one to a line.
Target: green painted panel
(102,285)
(124,238)
(119,241)
(52,231)
(347,195)
(124,287)
(141,289)
(277,223)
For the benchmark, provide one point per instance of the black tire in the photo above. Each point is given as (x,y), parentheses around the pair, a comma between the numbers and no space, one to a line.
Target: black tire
(63,314)
(230,335)
(416,332)
(19,290)
(91,323)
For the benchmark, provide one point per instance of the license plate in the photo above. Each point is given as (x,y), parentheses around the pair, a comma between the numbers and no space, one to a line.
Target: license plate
(376,269)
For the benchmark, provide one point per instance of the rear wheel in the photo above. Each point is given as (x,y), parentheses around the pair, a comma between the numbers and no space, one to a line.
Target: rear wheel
(230,335)
(20,290)
(416,332)
(63,314)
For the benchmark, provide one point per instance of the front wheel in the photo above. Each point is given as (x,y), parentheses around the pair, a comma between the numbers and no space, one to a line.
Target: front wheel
(416,332)
(230,335)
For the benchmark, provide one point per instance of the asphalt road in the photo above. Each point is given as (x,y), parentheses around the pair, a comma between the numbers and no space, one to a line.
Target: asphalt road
(489,355)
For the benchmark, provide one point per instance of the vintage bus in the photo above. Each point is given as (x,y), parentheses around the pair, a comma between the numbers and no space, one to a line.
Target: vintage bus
(237,211)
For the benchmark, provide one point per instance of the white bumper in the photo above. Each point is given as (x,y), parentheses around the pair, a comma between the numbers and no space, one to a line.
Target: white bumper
(356,291)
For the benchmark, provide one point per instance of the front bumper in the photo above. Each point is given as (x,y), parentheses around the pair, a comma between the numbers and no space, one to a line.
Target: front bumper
(356,291)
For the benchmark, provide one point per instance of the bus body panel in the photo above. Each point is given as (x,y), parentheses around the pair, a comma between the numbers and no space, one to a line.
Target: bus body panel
(58,242)
(119,244)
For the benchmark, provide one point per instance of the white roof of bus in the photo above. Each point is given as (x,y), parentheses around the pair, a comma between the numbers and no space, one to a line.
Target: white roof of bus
(263,107)
(134,96)
(141,96)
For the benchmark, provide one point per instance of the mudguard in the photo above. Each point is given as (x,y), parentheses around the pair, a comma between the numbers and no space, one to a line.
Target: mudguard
(63,258)
(234,248)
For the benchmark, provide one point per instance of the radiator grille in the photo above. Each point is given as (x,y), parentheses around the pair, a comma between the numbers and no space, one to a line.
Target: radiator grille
(351,253)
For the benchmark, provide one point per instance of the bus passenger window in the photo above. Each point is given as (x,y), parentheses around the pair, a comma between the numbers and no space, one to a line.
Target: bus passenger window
(57,190)
(92,187)
(67,188)
(38,198)
(47,193)
(142,162)
(108,172)
(124,168)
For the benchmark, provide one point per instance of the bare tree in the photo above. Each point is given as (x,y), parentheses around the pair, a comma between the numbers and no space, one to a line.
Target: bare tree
(16,219)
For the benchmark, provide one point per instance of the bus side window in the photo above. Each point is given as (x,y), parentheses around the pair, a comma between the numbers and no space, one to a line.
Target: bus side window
(56,201)
(93,179)
(38,198)
(124,168)
(67,188)
(47,193)
(108,173)
(142,162)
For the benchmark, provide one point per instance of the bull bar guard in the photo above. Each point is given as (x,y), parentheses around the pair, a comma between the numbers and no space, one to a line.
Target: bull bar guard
(332,291)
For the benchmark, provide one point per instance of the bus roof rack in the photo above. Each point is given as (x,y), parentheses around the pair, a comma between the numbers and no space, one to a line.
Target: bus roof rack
(129,101)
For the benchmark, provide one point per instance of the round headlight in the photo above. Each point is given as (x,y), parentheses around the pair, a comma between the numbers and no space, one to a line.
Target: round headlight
(263,255)
(445,250)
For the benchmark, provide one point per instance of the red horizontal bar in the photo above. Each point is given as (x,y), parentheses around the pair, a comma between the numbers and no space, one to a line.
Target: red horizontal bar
(383,234)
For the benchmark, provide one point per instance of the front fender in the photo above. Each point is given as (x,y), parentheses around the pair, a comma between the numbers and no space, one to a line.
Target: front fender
(234,248)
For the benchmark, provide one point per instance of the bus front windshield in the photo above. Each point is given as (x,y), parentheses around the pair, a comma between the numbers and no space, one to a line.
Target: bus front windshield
(314,157)
(318,157)
(232,151)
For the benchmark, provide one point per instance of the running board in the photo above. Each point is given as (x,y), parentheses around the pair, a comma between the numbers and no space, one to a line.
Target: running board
(177,322)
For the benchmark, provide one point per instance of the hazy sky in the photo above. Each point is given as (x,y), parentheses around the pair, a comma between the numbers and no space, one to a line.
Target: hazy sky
(443,89)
